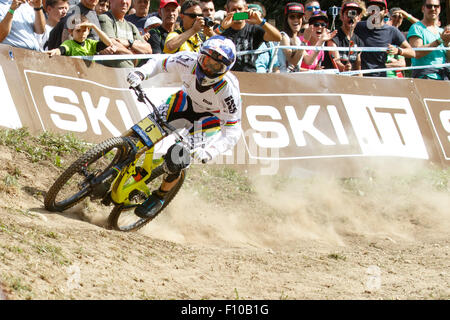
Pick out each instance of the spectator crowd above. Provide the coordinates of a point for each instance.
(122, 27)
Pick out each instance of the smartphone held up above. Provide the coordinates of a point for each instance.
(240, 16)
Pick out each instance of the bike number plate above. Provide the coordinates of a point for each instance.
(149, 131)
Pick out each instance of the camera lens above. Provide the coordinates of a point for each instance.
(352, 13)
(208, 22)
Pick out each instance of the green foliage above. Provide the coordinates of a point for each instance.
(17, 284)
(337, 256)
(55, 253)
(10, 180)
(12, 138)
(46, 146)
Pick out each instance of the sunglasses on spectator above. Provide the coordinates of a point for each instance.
(319, 24)
(312, 8)
(431, 6)
(193, 15)
(396, 16)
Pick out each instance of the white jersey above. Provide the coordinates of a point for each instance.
(222, 99)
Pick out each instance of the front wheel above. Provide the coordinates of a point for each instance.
(74, 184)
(122, 217)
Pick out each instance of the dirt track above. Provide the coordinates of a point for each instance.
(383, 239)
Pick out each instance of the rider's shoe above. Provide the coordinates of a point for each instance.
(150, 207)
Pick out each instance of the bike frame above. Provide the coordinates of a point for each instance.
(125, 182)
(150, 131)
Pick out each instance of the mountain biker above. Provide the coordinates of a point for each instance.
(208, 102)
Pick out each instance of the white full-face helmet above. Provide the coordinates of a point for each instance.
(217, 56)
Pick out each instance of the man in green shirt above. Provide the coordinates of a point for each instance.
(125, 36)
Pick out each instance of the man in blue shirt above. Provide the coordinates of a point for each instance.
(247, 34)
(376, 33)
(140, 17)
(427, 34)
(19, 23)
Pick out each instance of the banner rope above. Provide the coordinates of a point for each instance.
(258, 51)
(276, 48)
(320, 48)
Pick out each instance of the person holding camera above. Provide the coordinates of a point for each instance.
(350, 14)
(248, 30)
(208, 9)
(189, 37)
(209, 12)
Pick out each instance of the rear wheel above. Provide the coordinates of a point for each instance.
(122, 217)
(74, 184)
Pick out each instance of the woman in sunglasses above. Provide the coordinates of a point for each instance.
(311, 6)
(318, 29)
(289, 59)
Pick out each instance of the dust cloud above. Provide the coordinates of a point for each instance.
(395, 201)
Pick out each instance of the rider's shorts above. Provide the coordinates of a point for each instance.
(179, 112)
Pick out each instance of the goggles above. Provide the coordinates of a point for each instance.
(216, 56)
(210, 66)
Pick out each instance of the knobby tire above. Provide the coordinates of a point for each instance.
(113, 219)
(90, 157)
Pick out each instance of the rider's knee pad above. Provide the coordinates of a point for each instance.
(176, 159)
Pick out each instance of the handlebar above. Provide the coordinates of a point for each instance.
(142, 97)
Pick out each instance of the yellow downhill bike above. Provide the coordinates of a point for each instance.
(121, 170)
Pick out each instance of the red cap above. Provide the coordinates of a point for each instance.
(382, 2)
(350, 6)
(294, 7)
(164, 3)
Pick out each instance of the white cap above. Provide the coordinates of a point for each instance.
(152, 20)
